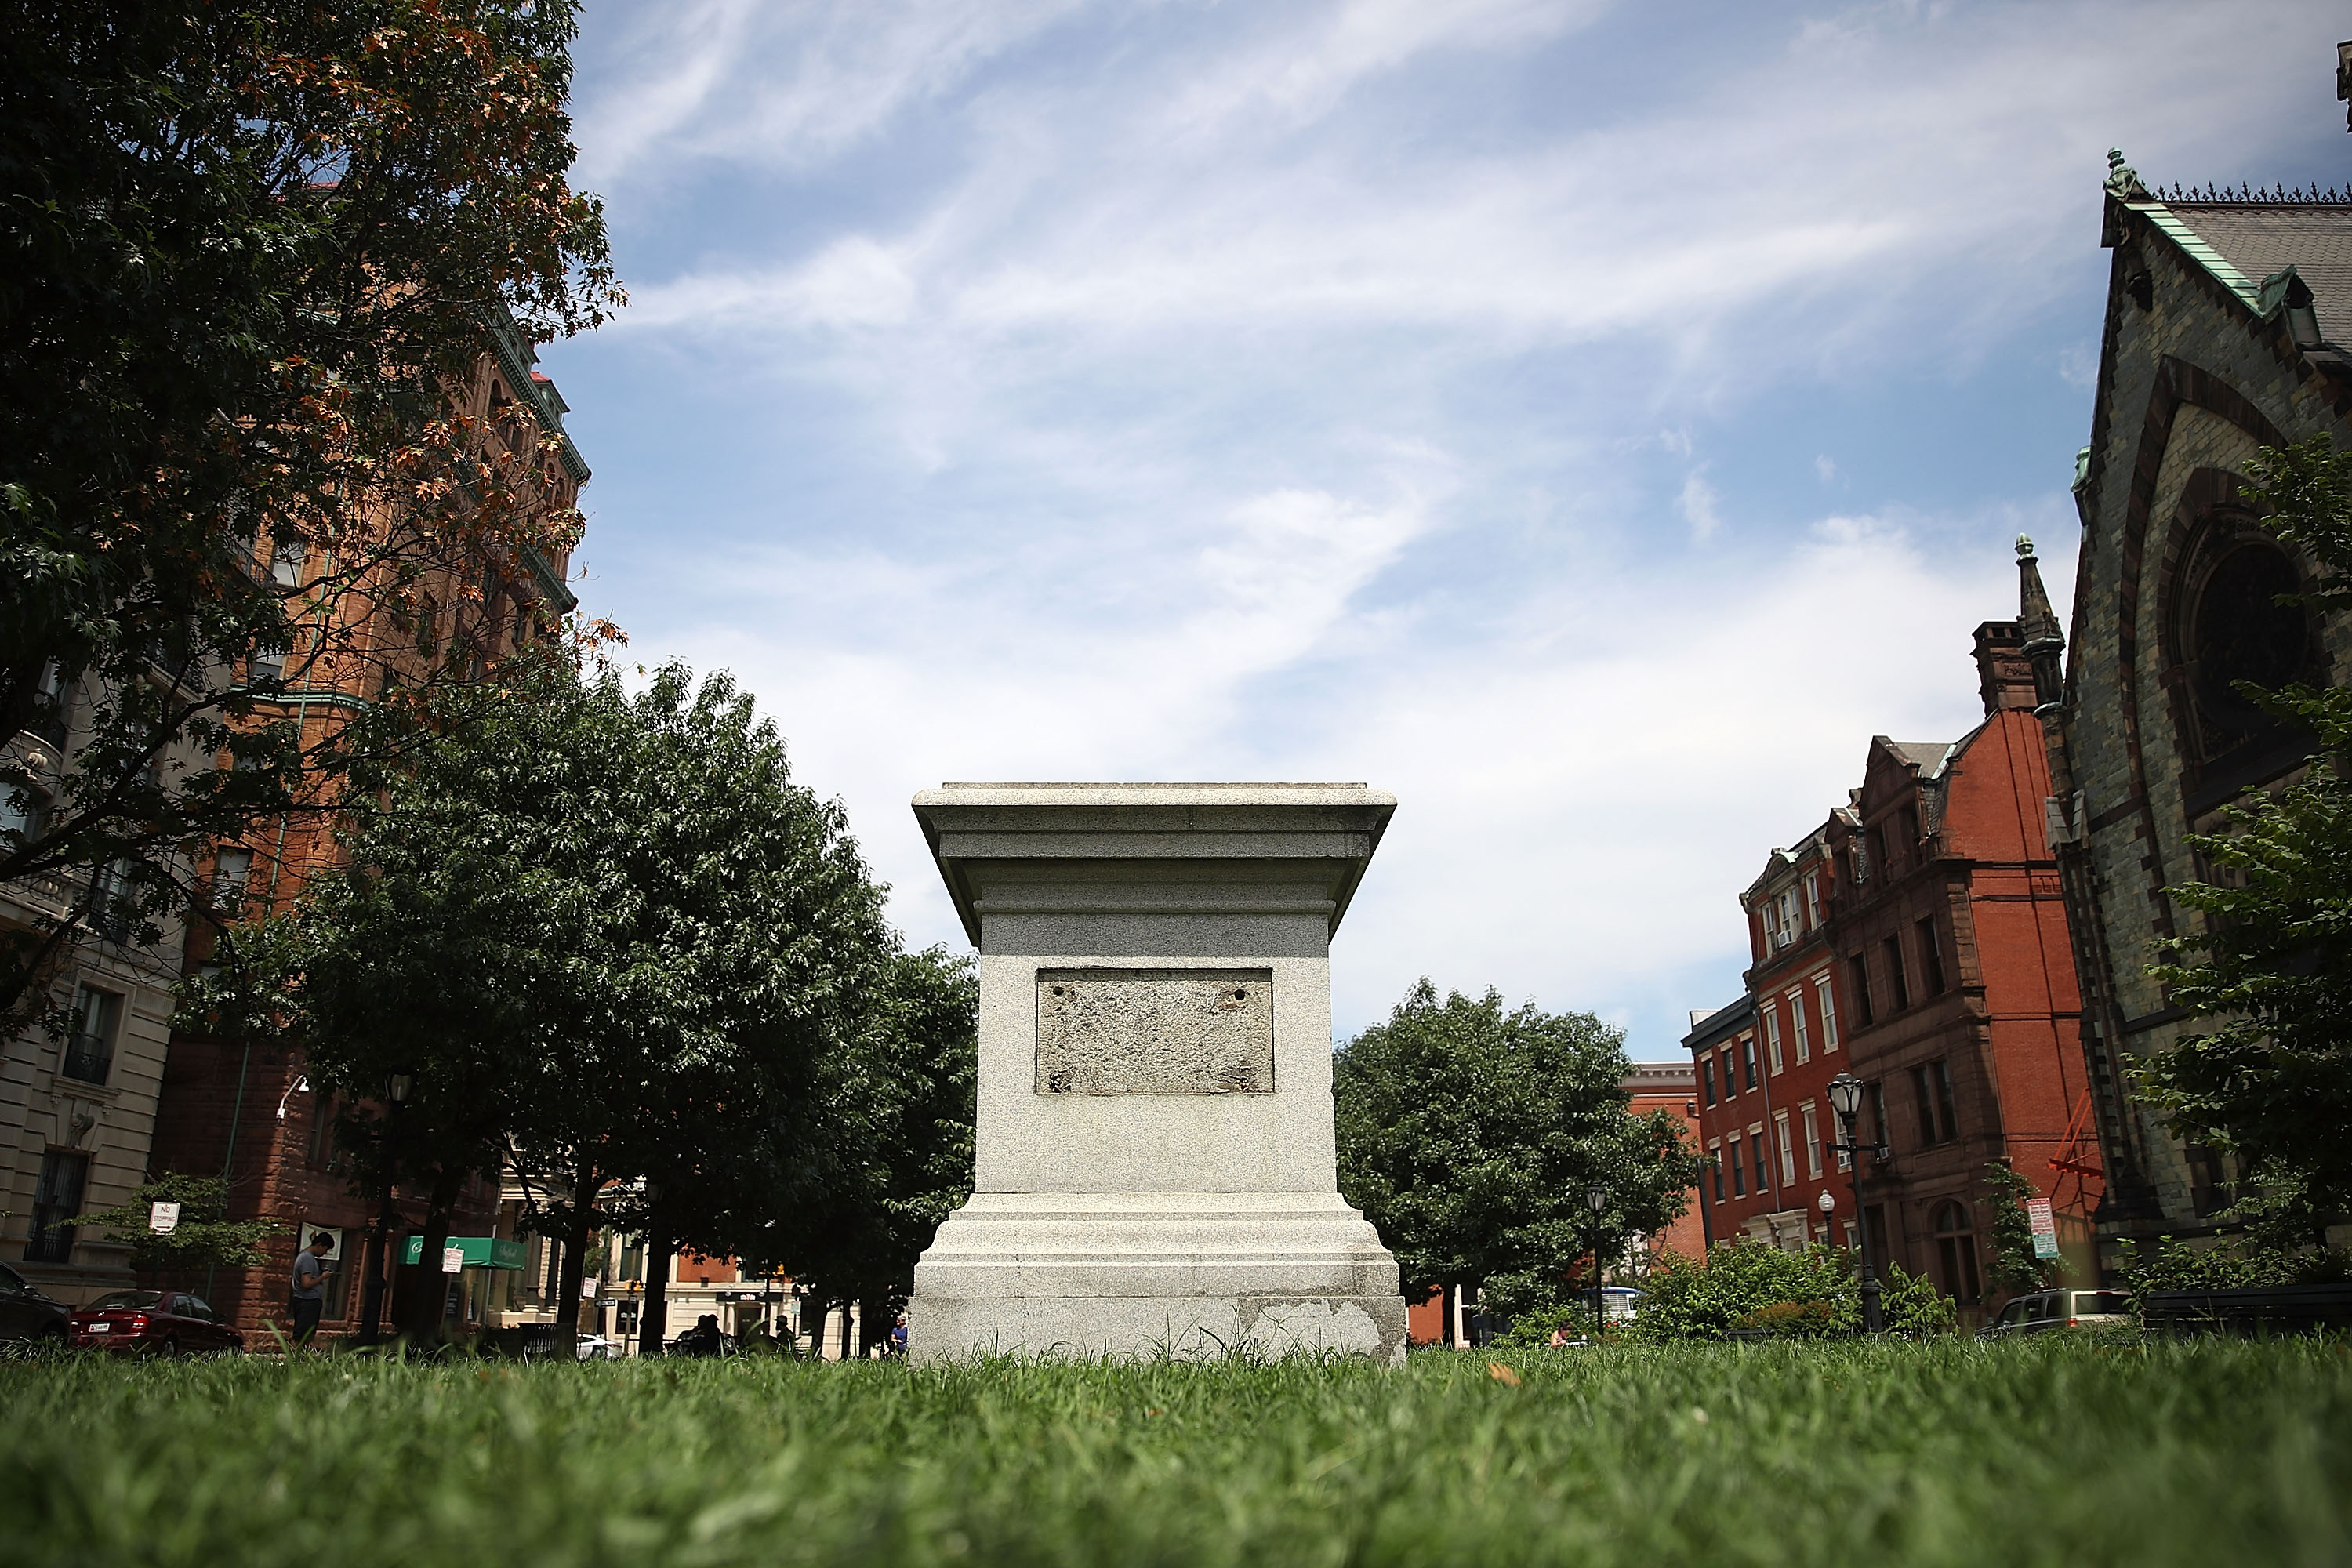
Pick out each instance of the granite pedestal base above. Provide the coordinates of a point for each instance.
(1188, 1275)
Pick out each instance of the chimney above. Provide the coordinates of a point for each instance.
(2004, 673)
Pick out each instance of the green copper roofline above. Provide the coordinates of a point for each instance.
(2205, 255)
(515, 357)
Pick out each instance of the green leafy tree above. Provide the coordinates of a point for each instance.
(251, 243)
(2016, 1267)
(608, 939)
(897, 1147)
(201, 1240)
(2273, 968)
(1468, 1135)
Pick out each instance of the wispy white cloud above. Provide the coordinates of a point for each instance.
(1315, 388)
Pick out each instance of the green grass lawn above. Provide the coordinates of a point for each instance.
(2034, 1453)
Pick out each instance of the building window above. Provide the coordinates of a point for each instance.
(1763, 1174)
(1876, 837)
(1748, 1057)
(1788, 928)
(1730, 1083)
(1955, 1250)
(1898, 982)
(1738, 1172)
(89, 1049)
(232, 874)
(1812, 1139)
(1931, 1086)
(1801, 1036)
(1911, 836)
(1931, 960)
(286, 563)
(56, 1199)
(1706, 1076)
(1772, 1036)
(1829, 1014)
(1715, 1163)
(1788, 1149)
(1812, 900)
(1861, 968)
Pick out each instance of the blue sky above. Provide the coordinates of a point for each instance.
(1592, 422)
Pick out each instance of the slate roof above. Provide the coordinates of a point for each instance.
(2255, 240)
(1923, 754)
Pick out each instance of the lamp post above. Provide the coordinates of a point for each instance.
(1845, 1099)
(1596, 1198)
(396, 1086)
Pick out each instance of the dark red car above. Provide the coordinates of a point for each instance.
(153, 1322)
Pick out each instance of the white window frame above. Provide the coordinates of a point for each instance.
(1829, 1012)
(1788, 1149)
(1771, 1038)
(1814, 900)
(1812, 1139)
(1800, 1036)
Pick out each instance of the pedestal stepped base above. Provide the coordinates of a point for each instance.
(1193, 1275)
(1154, 1164)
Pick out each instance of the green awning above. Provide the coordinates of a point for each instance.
(481, 1251)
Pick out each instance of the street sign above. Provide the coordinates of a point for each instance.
(162, 1218)
(588, 1283)
(2046, 1228)
(453, 1260)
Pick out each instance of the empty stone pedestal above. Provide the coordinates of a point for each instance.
(1155, 1158)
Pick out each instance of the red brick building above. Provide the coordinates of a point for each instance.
(1917, 939)
(1673, 1088)
(245, 1111)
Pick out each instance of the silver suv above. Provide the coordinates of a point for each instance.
(2045, 1309)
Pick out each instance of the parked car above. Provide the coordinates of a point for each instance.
(2046, 1310)
(153, 1322)
(26, 1316)
(596, 1347)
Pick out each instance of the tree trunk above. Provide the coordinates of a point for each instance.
(653, 1326)
(872, 1323)
(576, 1262)
(429, 1302)
(814, 1310)
(846, 1314)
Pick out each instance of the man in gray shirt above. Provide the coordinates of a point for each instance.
(308, 1299)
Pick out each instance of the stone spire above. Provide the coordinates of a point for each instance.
(2045, 644)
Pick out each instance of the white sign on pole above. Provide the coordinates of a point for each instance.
(453, 1260)
(2046, 1228)
(162, 1218)
(588, 1284)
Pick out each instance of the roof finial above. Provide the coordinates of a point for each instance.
(2123, 181)
(2025, 547)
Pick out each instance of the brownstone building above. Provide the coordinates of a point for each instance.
(1917, 939)
(2221, 337)
(245, 1111)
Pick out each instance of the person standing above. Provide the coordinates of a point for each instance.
(307, 1298)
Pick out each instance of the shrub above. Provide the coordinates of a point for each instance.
(1811, 1294)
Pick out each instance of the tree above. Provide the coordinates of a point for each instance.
(200, 1240)
(1468, 1136)
(254, 243)
(2273, 968)
(2016, 1266)
(898, 1138)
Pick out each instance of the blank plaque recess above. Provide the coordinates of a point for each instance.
(1155, 1031)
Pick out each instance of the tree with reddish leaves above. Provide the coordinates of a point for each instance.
(257, 249)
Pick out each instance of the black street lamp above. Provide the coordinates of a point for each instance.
(1596, 1198)
(1845, 1099)
(396, 1086)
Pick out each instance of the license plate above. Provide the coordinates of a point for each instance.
(101, 1327)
